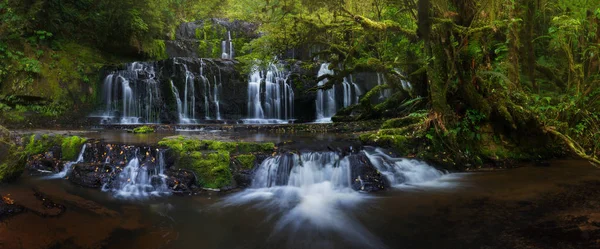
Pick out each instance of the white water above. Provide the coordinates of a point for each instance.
(136, 181)
(67, 167)
(326, 106)
(402, 171)
(212, 93)
(386, 93)
(277, 104)
(227, 47)
(313, 191)
(129, 98)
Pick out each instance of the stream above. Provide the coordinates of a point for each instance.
(305, 200)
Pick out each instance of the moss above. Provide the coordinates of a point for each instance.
(211, 169)
(156, 49)
(71, 146)
(37, 144)
(143, 129)
(247, 160)
(210, 159)
(12, 161)
(404, 121)
(182, 144)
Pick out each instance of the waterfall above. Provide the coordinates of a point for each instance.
(67, 167)
(131, 96)
(326, 106)
(216, 99)
(401, 171)
(213, 97)
(189, 104)
(276, 103)
(307, 190)
(357, 91)
(227, 47)
(347, 92)
(182, 117)
(385, 93)
(137, 181)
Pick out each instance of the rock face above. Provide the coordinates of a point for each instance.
(203, 38)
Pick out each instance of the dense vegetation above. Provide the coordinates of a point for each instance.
(489, 79)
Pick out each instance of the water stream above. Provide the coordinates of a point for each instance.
(270, 96)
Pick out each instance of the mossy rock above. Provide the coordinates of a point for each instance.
(12, 161)
(71, 146)
(143, 129)
(38, 144)
(211, 169)
(182, 144)
(247, 160)
(210, 160)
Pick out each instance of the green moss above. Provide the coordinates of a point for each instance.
(210, 159)
(182, 144)
(37, 144)
(416, 118)
(211, 169)
(246, 160)
(156, 49)
(12, 161)
(143, 129)
(71, 146)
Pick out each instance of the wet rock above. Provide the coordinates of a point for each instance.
(180, 180)
(9, 208)
(365, 176)
(92, 175)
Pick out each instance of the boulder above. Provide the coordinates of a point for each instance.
(365, 177)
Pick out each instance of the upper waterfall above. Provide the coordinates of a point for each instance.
(270, 95)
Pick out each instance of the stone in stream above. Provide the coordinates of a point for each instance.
(92, 175)
(365, 176)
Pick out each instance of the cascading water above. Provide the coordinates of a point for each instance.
(357, 91)
(212, 93)
(277, 105)
(137, 181)
(386, 93)
(131, 95)
(326, 105)
(315, 190)
(402, 171)
(67, 167)
(227, 47)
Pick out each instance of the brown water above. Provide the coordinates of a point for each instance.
(467, 210)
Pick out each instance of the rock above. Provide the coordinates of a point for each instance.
(180, 180)
(9, 208)
(92, 175)
(365, 176)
